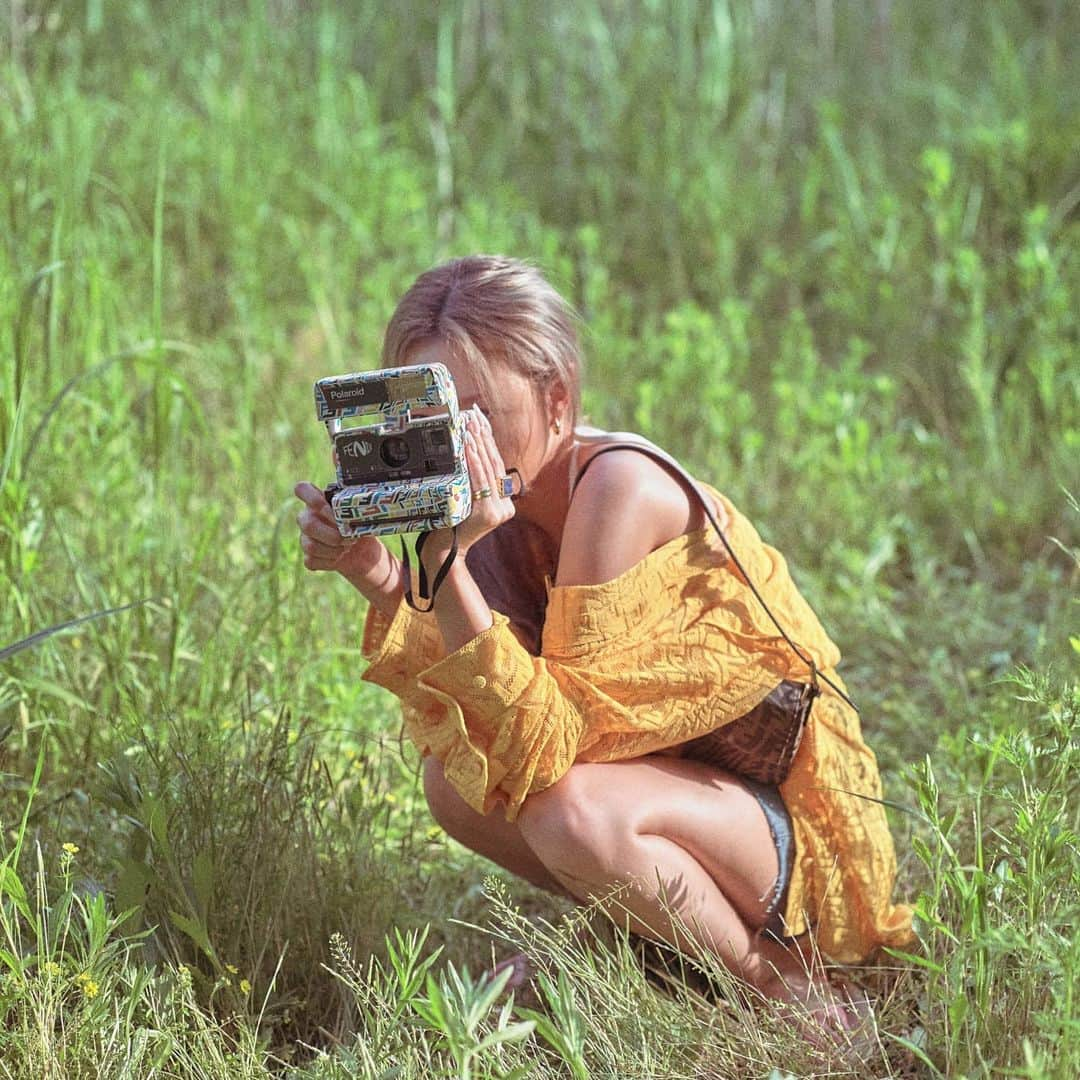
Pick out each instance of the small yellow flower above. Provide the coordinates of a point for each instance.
(90, 988)
(434, 832)
(391, 798)
(70, 848)
(245, 986)
(51, 968)
(232, 969)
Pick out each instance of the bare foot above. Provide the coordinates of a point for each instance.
(838, 1019)
(522, 971)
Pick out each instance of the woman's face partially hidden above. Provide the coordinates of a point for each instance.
(519, 421)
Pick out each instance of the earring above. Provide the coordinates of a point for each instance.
(557, 425)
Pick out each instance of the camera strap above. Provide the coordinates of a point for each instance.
(663, 458)
(421, 572)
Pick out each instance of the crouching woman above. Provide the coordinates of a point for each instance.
(592, 634)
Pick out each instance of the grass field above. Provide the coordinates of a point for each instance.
(826, 253)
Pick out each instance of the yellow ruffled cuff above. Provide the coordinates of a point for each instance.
(399, 648)
(486, 675)
(480, 686)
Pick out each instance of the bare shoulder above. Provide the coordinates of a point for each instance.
(626, 506)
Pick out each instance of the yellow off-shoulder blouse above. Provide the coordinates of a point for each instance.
(671, 649)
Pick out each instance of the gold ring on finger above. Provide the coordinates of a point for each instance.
(482, 493)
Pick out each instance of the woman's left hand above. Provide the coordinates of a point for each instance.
(490, 508)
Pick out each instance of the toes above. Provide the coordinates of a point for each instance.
(521, 967)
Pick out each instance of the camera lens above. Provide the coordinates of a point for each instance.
(395, 451)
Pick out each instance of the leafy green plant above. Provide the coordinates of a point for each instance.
(76, 997)
(563, 1028)
(456, 1005)
(245, 848)
(996, 920)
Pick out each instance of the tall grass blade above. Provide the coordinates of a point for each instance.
(41, 635)
(23, 318)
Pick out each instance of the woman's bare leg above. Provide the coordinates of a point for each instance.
(683, 836)
(597, 828)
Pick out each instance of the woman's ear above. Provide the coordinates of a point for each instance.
(558, 404)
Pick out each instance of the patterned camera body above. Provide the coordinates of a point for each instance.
(396, 473)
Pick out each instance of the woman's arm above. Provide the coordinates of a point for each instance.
(459, 606)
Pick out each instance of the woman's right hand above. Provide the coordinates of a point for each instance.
(363, 560)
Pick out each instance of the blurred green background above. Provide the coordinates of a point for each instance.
(826, 253)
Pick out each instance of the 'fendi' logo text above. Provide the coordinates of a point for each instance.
(356, 449)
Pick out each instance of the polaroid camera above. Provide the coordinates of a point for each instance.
(396, 472)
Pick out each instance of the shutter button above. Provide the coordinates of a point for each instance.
(479, 682)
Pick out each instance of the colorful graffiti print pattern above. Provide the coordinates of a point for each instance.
(401, 506)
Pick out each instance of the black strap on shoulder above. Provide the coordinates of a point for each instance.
(667, 460)
(440, 577)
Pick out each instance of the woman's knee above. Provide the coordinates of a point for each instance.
(490, 835)
(571, 820)
(447, 807)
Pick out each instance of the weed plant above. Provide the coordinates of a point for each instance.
(826, 254)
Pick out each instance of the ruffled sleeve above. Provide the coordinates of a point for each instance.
(397, 650)
(509, 724)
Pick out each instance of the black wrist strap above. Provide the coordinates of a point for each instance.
(666, 459)
(421, 571)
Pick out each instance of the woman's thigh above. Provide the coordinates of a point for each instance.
(596, 809)
(710, 813)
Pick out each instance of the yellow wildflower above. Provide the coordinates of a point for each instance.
(90, 988)
(391, 798)
(245, 986)
(70, 848)
(232, 969)
(51, 968)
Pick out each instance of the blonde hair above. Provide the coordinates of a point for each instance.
(491, 309)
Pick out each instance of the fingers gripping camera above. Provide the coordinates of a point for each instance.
(396, 472)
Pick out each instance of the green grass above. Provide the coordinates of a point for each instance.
(827, 255)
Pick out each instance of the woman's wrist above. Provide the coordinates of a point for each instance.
(460, 608)
(382, 583)
(438, 547)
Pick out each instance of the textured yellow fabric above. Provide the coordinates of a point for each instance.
(673, 648)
